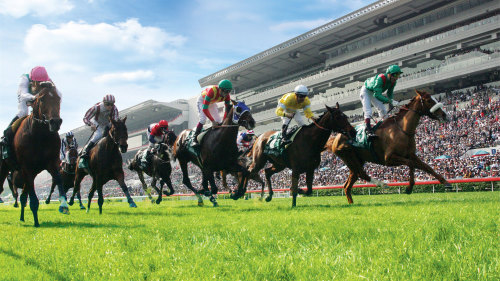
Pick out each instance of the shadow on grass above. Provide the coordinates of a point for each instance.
(50, 224)
(33, 263)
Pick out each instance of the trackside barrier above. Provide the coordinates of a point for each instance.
(285, 192)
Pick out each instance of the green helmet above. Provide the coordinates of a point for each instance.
(225, 85)
(393, 69)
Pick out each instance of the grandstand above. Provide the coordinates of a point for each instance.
(439, 45)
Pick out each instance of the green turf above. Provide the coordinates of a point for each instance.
(446, 236)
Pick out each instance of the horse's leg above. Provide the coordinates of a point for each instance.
(3, 174)
(395, 160)
(91, 193)
(223, 175)
(309, 183)
(100, 197)
(269, 172)
(56, 177)
(214, 189)
(353, 177)
(409, 189)
(158, 190)
(119, 177)
(295, 187)
(23, 199)
(79, 197)
(187, 182)
(47, 201)
(34, 203)
(144, 185)
(79, 175)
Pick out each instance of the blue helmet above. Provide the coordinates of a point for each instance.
(69, 134)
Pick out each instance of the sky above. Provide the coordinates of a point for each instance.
(144, 49)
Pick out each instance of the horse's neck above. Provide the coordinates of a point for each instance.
(409, 122)
(318, 136)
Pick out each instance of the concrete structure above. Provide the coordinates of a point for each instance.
(435, 42)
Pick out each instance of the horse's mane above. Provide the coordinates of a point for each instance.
(402, 110)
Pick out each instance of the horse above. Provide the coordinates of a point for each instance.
(105, 163)
(159, 167)
(36, 147)
(303, 155)
(394, 146)
(67, 172)
(217, 151)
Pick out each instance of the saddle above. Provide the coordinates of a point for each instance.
(274, 145)
(5, 149)
(362, 140)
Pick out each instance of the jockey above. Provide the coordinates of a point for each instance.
(156, 134)
(66, 143)
(25, 97)
(288, 106)
(245, 140)
(371, 93)
(97, 117)
(207, 105)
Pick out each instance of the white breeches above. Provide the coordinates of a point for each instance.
(367, 99)
(212, 108)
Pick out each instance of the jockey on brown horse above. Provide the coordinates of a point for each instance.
(38, 130)
(104, 158)
(394, 145)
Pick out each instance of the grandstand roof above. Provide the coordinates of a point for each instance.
(307, 50)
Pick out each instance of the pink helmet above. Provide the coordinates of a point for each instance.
(109, 98)
(38, 73)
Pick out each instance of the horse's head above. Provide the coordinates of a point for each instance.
(119, 134)
(241, 115)
(72, 155)
(429, 106)
(335, 120)
(170, 138)
(47, 105)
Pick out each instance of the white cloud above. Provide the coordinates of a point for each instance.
(21, 8)
(139, 75)
(298, 25)
(108, 44)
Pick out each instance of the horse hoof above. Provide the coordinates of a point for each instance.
(82, 207)
(408, 191)
(152, 201)
(47, 201)
(158, 201)
(71, 202)
(16, 205)
(200, 204)
(37, 225)
(216, 204)
(207, 193)
(63, 210)
(1, 201)
(132, 205)
(268, 199)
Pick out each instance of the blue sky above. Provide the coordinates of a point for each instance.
(140, 50)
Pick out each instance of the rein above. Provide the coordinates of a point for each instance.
(319, 126)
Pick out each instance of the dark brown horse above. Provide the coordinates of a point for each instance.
(245, 161)
(158, 168)
(218, 151)
(394, 146)
(36, 147)
(67, 172)
(105, 163)
(303, 155)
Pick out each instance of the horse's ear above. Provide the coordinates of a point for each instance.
(338, 107)
(419, 93)
(234, 102)
(124, 119)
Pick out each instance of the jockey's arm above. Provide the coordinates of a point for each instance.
(206, 103)
(378, 90)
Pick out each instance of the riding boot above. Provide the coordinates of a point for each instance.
(196, 133)
(86, 150)
(284, 135)
(369, 130)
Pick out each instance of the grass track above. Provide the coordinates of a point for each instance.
(445, 236)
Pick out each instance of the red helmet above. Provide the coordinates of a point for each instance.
(163, 124)
(109, 98)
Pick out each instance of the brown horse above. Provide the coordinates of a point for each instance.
(218, 150)
(105, 163)
(36, 147)
(67, 172)
(394, 146)
(303, 155)
(158, 168)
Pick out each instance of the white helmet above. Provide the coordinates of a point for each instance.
(301, 90)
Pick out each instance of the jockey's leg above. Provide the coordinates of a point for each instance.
(8, 134)
(284, 128)
(197, 132)
(365, 96)
(86, 150)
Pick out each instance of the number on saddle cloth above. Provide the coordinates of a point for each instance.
(362, 140)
